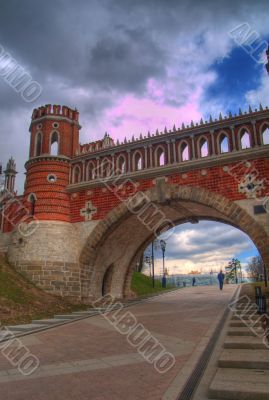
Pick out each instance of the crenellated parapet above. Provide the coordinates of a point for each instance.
(55, 110)
(194, 145)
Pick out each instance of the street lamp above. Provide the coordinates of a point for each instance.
(163, 246)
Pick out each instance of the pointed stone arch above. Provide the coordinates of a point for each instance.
(121, 236)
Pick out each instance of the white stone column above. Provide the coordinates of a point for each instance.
(151, 156)
(233, 137)
(112, 173)
(213, 142)
(193, 147)
(129, 160)
(83, 171)
(146, 157)
(168, 152)
(254, 133)
(174, 150)
(98, 172)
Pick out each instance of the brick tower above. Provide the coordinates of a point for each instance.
(54, 141)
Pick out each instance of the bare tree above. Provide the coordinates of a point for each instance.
(255, 268)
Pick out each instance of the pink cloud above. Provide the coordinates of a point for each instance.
(132, 116)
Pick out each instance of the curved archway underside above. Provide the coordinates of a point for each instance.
(124, 234)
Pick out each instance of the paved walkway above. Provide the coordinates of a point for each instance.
(89, 359)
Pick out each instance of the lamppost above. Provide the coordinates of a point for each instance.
(163, 246)
(148, 261)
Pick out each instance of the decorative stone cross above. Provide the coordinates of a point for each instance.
(88, 211)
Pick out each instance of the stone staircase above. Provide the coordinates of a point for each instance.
(243, 365)
(43, 324)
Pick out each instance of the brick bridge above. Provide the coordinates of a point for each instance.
(89, 211)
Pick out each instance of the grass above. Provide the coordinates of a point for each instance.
(142, 285)
(21, 301)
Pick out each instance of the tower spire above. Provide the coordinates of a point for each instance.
(10, 175)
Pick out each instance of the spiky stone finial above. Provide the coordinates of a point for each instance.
(125, 140)
(192, 124)
(149, 135)
(201, 121)
(157, 132)
(210, 118)
(261, 107)
(118, 142)
(174, 128)
(240, 111)
(230, 114)
(183, 125)
(140, 137)
(249, 109)
(220, 116)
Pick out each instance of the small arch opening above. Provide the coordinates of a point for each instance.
(91, 172)
(76, 175)
(184, 152)
(265, 136)
(245, 140)
(137, 162)
(160, 157)
(224, 144)
(106, 167)
(121, 165)
(203, 148)
(107, 280)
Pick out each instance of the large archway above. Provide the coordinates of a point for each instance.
(126, 231)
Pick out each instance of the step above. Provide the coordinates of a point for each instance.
(84, 312)
(68, 316)
(244, 331)
(240, 384)
(245, 342)
(51, 321)
(243, 311)
(244, 358)
(24, 328)
(246, 323)
(250, 317)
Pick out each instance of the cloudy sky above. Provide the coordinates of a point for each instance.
(203, 247)
(130, 66)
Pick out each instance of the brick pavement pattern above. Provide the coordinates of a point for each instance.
(89, 359)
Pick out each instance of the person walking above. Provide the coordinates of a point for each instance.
(221, 279)
(193, 281)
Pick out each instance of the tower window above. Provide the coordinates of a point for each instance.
(54, 144)
(38, 144)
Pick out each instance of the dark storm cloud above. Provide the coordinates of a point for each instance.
(126, 61)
